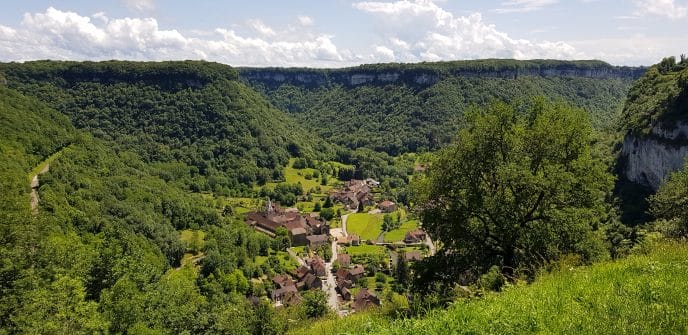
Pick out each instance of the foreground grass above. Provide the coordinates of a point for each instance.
(643, 294)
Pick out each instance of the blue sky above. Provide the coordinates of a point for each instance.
(337, 33)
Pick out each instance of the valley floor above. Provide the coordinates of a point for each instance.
(645, 293)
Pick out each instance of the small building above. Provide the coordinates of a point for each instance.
(298, 236)
(356, 272)
(315, 241)
(282, 281)
(318, 266)
(413, 256)
(283, 294)
(415, 236)
(317, 225)
(301, 272)
(346, 294)
(312, 281)
(387, 206)
(344, 260)
(365, 299)
(354, 240)
(372, 182)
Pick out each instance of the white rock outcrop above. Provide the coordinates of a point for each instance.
(650, 159)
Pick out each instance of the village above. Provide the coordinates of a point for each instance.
(353, 262)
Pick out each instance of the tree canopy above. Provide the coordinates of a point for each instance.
(517, 188)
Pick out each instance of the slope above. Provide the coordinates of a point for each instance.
(643, 294)
(103, 253)
(191, 112)
(400, 108)
(655, 128)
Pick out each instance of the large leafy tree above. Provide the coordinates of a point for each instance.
(517, 188)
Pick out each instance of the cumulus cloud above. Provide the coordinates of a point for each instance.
(57, 34)
(666, 8)
(421, 30)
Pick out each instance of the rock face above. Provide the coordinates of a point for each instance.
(427, 74)
(649, 159)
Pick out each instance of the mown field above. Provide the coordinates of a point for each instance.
(367, 226)
(397, 235)
(643, 294)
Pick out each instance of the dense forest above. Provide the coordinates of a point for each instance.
(398, 108)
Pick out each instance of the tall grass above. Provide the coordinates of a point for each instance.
(643, 294)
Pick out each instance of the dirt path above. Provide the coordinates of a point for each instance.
(344, 217)
(34, 189)
(40, 169)
(296, 257)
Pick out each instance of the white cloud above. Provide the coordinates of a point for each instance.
(636, 49)
(261, 27)
(305, 20)
(666, 8)
(57, 34)
(421, 30)
(140, 5)
(522, 6)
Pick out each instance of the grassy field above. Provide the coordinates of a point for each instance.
(287, 262)
(293, 176)
(367, 226)
(643, 294)
(192, 238)
(398, 234)
(366, 249)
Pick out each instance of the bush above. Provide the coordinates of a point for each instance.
(493, 280)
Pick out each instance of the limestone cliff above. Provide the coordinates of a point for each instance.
(649, 159)
(426, 74)
(656, 124)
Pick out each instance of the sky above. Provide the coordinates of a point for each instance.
(339, 33)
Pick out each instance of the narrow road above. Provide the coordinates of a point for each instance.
(330, 283)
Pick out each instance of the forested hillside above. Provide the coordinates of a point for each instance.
(103, 251)
(191, 112)
(399, 108)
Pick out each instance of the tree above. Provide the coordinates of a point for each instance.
(402, 273)
(314, 303)
(518, 187)
(328, 202)
(282, 240)
(317, 207)
(60, 308)
(671, 202)
(327, 213)
(387, 222)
